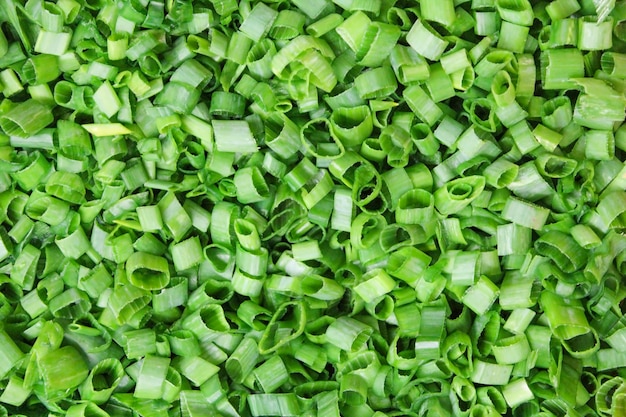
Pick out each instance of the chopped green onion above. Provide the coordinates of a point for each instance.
(333, 208)
(147, 271)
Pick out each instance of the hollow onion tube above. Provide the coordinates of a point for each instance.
(378, 41)
(562, 249)
(415, 207)
(26, 119)
(183, 343)
(555, 167)
(102, 380)
(168, 299)
(206, 323)
(568, 322)
(407, 264)
(408, 65)
(428, 342)
(458, 194)
(282, 136)
(147, 271)
(79, 98)
(563, 32)
(610, 395)
(559, 66)
(15, 393)
(396, 143)
(422, 105)
(515, 11)
(250, 185)
(126, 301)
(587, 106)
(151, 378)
(424, 139)
(352, 125)
(280, 332)
(378, 82)
(524, 213)
(594, 34)
(425, 41)
(318, 139)
(348, 334)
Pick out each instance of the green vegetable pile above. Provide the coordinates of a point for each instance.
(357, 208)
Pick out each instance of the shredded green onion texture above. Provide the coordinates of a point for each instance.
(359, 208)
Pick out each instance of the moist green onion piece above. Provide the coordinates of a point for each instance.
(425, 41)
(559, 66)
(514, 36)
(480, 296)
(150, 218)
(63, 368)
(378, 82)
(233, 136)
(26, 119)
(562, 249)
(11, 83)
(594, 34)
(187, 254)
(274, 404)
(250, 185)
(70, 304)
(106, 129)
(348, 334)
(600, 145)
(490, 373)
(587, 105)
(139, 343)
(147, 271)
(524, 213)
(211, 291)
(183, 343)
(174, 216)
(428, 342)
(425, 108)
(152, 374)
(53, 43)
(519, 320)
(408, 65)
(585, 236)
(511, 350)
(407, 264)
(517, 392)
(568, 324)
(258, 22)
(272, 374)
(457, 194)
(377, 43)
(15, 392)
(195, 369)
(321, 288)
(375, 284)
(515, 11)
(352, 30)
